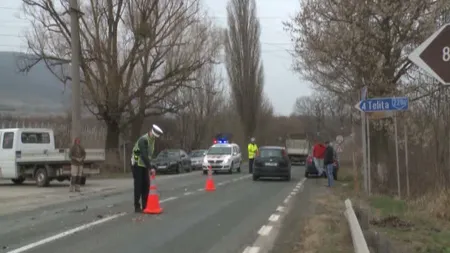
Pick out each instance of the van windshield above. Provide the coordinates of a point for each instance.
(219, 151)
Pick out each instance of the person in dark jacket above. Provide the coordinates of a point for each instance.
(77, 155)
(329, 162)
(141, 165)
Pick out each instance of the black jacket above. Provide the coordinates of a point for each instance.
(329, 155)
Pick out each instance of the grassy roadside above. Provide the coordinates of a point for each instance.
(326, 231)
(415, 226)
(418, 226)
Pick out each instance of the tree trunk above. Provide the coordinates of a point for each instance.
(112, 135)
(136, 128)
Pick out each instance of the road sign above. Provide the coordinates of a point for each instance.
(433, 55)
(383, 104)
(339, 139)
(339, 149)
(380, 115)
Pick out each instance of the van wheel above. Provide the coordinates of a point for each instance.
(239, 168)
(231, 169)
(83, 181)
(41, 177)
(19, 180)
(306, 174)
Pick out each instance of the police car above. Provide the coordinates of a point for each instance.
(222, 157)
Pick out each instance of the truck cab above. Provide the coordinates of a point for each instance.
(30, 153)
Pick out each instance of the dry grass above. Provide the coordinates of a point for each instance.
(421, 225)
(327, 230)
(416, 226)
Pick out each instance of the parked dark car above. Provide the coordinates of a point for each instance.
(197, 157)
(172, 161)
(311, 169)
(272, 161)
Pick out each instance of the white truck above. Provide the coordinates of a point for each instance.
(297, 147)
(30, 153)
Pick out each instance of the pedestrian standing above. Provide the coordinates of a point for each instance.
(252, 149)
(77, 155)
(318, 156)
(329, 162)
(141, 165)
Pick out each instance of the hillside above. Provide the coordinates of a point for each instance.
(35, 92)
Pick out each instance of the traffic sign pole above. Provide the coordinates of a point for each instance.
(396, 158)
(363, 137)
(368, 158)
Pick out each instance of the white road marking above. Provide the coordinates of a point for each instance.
(188, 193)
(200, 190)
(274, 217)
(66, 233)
(295, 190)
(280, 209)
(251, 250)
(168, 199)
(287, 199)
(265, 230)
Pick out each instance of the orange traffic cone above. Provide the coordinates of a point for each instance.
(209, 186)
(153, 206)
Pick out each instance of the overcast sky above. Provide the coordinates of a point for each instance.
(282, 85)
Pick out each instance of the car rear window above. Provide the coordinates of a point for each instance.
(270, 153)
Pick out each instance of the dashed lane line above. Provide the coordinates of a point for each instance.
(274, 220)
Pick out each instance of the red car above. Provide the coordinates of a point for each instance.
(311, 169)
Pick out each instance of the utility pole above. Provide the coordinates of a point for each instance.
(75, 69)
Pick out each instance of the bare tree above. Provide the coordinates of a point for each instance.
(135, 54)
(203, 106)
(342, 46)
(243, 62)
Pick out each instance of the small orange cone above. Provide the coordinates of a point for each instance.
(209, 186)
(153, 206)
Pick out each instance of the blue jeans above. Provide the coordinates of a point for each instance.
(330, 168)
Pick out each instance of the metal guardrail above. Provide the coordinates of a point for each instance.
(359, 242)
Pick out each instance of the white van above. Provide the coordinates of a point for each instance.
(30, 153)
(223, 158)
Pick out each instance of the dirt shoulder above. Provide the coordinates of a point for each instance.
(316, 223)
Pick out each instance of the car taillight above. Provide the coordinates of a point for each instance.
(309, 160)
(283, 152)
(257, 153)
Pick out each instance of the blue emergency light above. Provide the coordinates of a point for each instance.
(221, 141)
(222, 138)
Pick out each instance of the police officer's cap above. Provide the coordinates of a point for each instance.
(156, 131)
(252, 139)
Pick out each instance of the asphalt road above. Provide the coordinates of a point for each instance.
(231, 219)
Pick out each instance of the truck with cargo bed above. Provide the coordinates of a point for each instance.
(30, 153)
(297, 147)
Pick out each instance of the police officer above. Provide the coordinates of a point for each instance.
(140, 161)
(252, 149)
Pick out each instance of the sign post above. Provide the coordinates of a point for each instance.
(394, 104)
(363, 137)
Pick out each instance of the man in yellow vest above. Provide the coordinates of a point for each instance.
(140, 161)
(252, 149)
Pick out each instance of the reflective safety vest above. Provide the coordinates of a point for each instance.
(252, 148)
(137, 152)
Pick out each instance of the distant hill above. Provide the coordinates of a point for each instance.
(36, 92)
